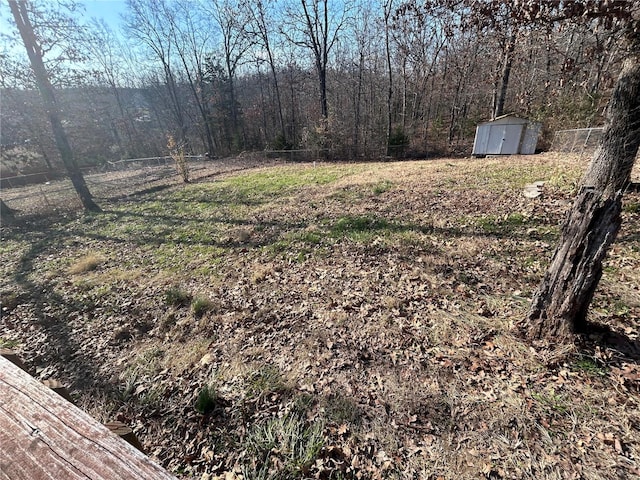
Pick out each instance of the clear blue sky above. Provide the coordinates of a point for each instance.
(109, 10)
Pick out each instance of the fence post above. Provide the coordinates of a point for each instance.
(46, 200)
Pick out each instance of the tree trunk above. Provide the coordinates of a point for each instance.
(559, 307)
(357, 106)
(263, 33)
(387, 18)
(6, 213)
(500, 94)
(274, 75)
(20, 14)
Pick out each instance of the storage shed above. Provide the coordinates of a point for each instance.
(506, 135)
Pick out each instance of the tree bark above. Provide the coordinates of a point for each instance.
(559, 307)
(20, 14)
(6, 213)
(500, 93)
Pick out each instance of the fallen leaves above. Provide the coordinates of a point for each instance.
(399, 342)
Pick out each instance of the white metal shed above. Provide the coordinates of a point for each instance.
(506, 135)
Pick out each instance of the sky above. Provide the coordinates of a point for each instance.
(109, 10)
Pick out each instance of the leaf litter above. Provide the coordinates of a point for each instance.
(355, 325)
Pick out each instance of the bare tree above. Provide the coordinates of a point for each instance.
(388, 11)
(21, 11)
(231, 21)
(192, 36)
(316, 30)
(261, 27)
(107, 51)
(148, 21)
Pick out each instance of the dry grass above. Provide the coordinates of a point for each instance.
(86, 263)
(373, 301)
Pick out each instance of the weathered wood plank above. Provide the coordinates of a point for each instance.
(42, 436)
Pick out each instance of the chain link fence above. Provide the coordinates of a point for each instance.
(577, 140)
(114, 181)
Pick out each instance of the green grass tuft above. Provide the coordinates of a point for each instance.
(590, 366)
(8, 343)
(351, 226)
(177, 297)
(381, 187)
(201, 305)
(265, 381)
(631, 207)
(207, 399)
(290, 443)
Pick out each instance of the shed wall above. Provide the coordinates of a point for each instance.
(530, 139)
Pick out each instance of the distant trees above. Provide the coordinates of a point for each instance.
(316, 27)
(149, 21)
(225, 75)
(110, 55)
(261, 28)
(192, 36)
(231, 21)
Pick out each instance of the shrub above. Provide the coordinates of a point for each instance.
(398, 141)
(176, 150)
(280, 143)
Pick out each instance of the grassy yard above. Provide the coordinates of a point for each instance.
(334, 321)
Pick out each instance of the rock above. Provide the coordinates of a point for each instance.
(533, 190)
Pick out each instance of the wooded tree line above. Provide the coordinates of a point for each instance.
(359, 78)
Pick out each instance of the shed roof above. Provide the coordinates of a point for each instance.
(508, 119)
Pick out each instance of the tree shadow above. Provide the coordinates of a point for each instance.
(626, 348)
(62, 353)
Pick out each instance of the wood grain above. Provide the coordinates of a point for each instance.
(43, 436)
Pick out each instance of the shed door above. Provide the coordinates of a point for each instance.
(511, 144)
(530, 139)
(496, 138)
(481, 140)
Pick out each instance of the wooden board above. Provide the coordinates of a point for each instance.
(43, 436)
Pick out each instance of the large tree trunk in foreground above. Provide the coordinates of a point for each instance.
(19, 9)
(559, 307)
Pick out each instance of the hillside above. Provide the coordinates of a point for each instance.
(334, 321)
